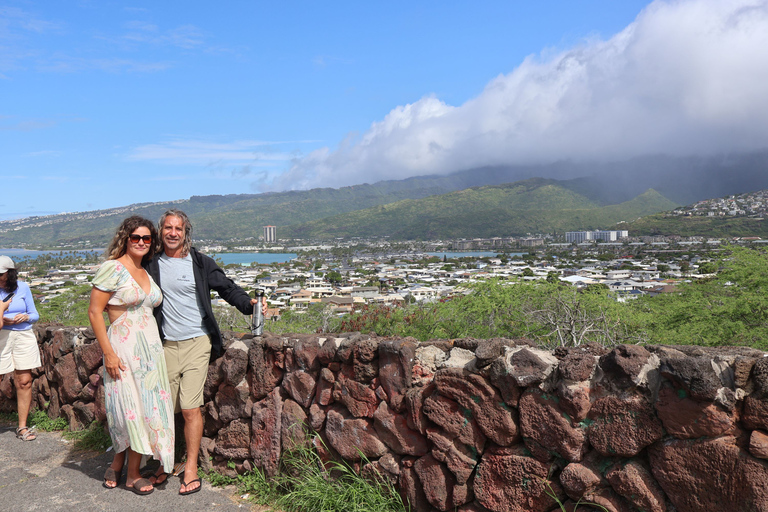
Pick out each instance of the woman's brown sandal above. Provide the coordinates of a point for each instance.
(110, 475)
(25, 434)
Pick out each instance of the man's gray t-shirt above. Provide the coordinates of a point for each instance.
(182, 314)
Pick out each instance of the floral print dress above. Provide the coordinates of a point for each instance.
(138, 405)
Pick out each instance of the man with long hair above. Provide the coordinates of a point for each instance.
(188, 328)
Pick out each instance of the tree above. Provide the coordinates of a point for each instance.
(334, 277)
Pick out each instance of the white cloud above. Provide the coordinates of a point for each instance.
(212, 154)
(686, 77)
(184, 36)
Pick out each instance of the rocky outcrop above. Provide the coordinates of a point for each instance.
(471, 425)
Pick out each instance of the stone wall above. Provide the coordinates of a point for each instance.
(473, 425)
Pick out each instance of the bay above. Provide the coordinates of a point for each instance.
(15, 254)
(246, 258)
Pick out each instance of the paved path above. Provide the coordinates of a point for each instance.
(49, 475)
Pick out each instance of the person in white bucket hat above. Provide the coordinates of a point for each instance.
(19, 352)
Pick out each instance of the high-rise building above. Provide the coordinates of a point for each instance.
(270, 234)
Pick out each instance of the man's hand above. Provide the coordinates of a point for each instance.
(263, 305)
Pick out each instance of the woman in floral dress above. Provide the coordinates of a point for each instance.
(137, 393)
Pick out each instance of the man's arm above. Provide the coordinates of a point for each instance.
(228, 290)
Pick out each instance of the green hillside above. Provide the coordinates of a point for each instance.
(712, 227)
(417, 208)
(221, 217)
(530, 206)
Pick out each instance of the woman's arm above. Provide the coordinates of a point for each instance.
(3, 307)
(112, 363)
(30, 315)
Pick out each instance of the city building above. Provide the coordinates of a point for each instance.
(270, 234)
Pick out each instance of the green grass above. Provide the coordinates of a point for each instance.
(552, 494)
(304, 484)
(95, 437)
(40, 420)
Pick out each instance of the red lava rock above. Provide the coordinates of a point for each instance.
(529, 367)
(213, 380)
(575, 399)
(396, 359)
(324, 391)
(232, 402)
(755, 415)
(758, 444)
(460, 460)
(316, 417)
(265, 368)
(393, 430)
(742, 367)
(457, 423)
(98, 403)
(266, 421)
(542, 420)
(411, 490)
(694, 374)
(624, 364)
(578, 480)
(233, 441)
(686, 418)
(622, 427)
(476, 394)
(295, 428)
(577, 366)
(504, 382)
(636, 485)
(358, 398)
(88, 394)
(234, 363)
(86, 412)
(65, 373)
(306, 354)
(440, 485)
(88, 358)
(7, 389)
(352, 437)
(414, 400)
(709, 474)
(509, 481)
(300, 385)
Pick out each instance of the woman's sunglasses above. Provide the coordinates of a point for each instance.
(135, 238)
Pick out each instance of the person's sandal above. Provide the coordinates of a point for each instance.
(186, 485)
(138, 484)
(110, 475)
(160, 478)
(25, 434)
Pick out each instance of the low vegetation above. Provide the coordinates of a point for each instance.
(307, 483)
(728, 309)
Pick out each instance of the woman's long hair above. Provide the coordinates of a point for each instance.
(11, 282)
(119, 244)
(187, 244)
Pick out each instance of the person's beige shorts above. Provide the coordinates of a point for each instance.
(187, 362)
(18, 351)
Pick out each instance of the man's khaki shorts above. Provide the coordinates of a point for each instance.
(187, 362)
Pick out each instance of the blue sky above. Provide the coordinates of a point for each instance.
(105, 104)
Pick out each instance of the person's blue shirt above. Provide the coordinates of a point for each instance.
(21, 302)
